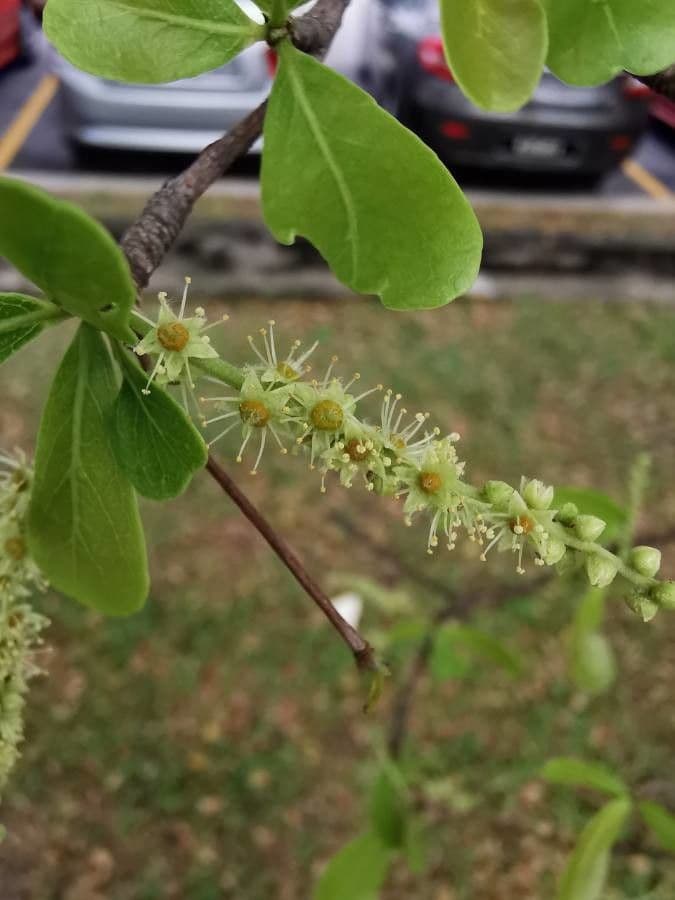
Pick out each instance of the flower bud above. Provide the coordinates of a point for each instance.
(538, 495)
(567, 513)
(555, 550)
(645, 560)
(589, 528)
(600, 571)
(498, 493)
(641, 604)
(663, 594)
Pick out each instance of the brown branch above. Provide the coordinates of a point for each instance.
(147, 241)
(361, 649)
(662, 82)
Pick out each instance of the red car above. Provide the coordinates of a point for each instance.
(10, 32)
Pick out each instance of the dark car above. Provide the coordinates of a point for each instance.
(562, 129)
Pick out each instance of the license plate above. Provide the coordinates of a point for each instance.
(539, 147)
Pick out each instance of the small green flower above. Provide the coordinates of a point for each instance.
(358, 450)
(272, 367)
(400, 440)
(433, 485)
(323, 410)
(259, 409)
(175, 340)
(515, 526)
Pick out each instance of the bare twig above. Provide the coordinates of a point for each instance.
(361, 649)
(147, 241)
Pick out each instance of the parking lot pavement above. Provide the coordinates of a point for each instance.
(46, 148)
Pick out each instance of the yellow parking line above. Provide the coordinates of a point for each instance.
(644, 179)
(27, 118)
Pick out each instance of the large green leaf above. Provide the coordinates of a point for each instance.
(445, 660)
(488, 647)
(149, 40)
(356, 872)
(591, 658)
(22, 318)
(585, 875)
(661, 822)
(590, 41)
(84, 528)
(580, 773)
(68, 255)
(495, 49)
(592, 662)
(454, 645)
(389, 806)
(155, 444)
(377, 203)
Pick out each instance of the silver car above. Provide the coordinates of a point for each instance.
(184, 116)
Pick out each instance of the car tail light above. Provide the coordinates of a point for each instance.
(432, 59)
(634, 89)
(621, 142)
(272, 61)
(456, 131)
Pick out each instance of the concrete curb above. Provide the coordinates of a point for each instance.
(227, 246)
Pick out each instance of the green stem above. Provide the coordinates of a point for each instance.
(216, 368)
(590, 547)
(48, 313)
(278, 15)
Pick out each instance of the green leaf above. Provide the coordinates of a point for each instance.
(593, 503)
(149, 41)
(661, 822)
(389, 807)
(570, 771)
(155, 443)
(445, 661)
(415, 849)
(449, 654)
(591, 610)
(590, 42)
(356, 872)
(84, 529)
(496, 50)
(68, 255)
(374, 200)
(592, 662)
(585, 875)
(488, 647)
(21, 319)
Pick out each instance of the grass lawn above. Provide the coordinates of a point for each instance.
(213, 746)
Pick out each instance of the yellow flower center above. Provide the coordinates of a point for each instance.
(327, 415)
(173, 336)
(430, 482)
(286, 371)
(522, 522)
(254, 413)
(356, 451)
(15, 548)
